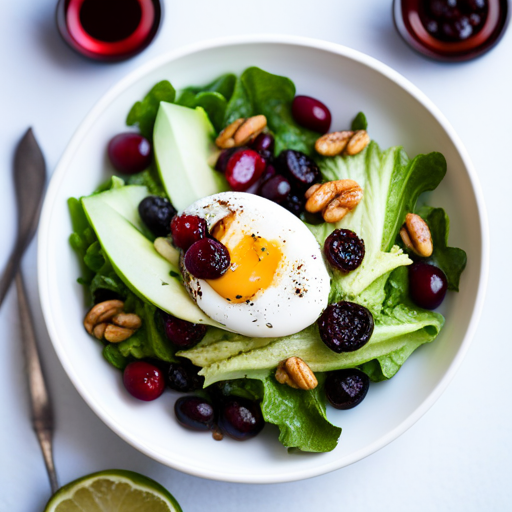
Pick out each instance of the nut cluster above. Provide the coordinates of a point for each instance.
(416, 235)
(296, 373)
(240, 132)
(107, 320)
(334, 199)
(346, 142)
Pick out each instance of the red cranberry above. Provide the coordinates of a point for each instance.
(345, 326)
(244, 169)
(143, 380)
(129, 153)
(311, 114)
(346, 388)
(427, 285)
(183, 334)
(207, 259)
(270, 171)
(276, 188)
(241, 419)
(194, 413)
(264, 142)
(344, 250)
(187, 229)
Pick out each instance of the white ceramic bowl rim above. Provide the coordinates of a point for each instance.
(86, 125)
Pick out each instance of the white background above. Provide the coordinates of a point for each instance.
(456, 458)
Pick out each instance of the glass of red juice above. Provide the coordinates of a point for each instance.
(451, 30)
(108, 30)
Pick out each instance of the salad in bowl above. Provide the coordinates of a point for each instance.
(259, 261)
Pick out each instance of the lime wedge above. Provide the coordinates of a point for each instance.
(113, 491)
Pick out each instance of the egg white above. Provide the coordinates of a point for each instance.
(300, 291)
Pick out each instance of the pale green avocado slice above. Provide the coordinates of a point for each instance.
(113, 215)
(183, 145)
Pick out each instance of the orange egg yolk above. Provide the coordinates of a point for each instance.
(254, 263)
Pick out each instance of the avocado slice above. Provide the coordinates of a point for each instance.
(183, 144)
(114, 217)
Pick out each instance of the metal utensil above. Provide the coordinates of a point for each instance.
(29, 181)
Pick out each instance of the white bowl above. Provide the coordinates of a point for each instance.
(347, 81)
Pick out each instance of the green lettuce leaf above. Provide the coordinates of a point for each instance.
(258, 92)
(391, 184)
(359, 122)
(149, 179)
(300, 416)
(451, 260)
(143, 113)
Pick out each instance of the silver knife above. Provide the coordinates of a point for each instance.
(29, 180)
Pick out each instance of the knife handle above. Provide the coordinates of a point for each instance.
(42, 413)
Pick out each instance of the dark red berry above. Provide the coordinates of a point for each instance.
(345, 326)
(295, 204)
(277, 188)
(129, 153)
(240, 419)
(311, 114)
(183, 334)
(346, 388)
(298, 168)
(194, 413)
(143, 380)
(207, 259)
(244, 169)
(157, 212)
(270, 171)
(187, 229)
(223, 159)
(263, 142)
(427, 285)
(344, 250)
(183, 377)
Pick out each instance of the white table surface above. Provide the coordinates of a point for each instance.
(457, 457)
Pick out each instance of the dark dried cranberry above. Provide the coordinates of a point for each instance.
(344, 250)
(129, 153)
(187, 229)
(195, 413)
(311, 114)
(264, 142)
(270, 171)
(294, 204)
(346, 388)
(143, 380)
(427, 285)
(223, 159)
(157, 212)
(276, 188)
(240, 419)
(244, 169)
(299, 168)
(183, 334)
(345, 326)
(183, 377)
(207, 259)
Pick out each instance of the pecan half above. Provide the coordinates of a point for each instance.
(334, 199)
(347, 142)
(296, 373)
(416, 235)
(116, 334)
(102, 312)
(241, 131)
(106, 320)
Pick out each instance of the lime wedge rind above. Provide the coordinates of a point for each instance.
(113, 490)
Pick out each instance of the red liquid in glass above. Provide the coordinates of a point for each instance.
(411, 21)
(108, 30)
